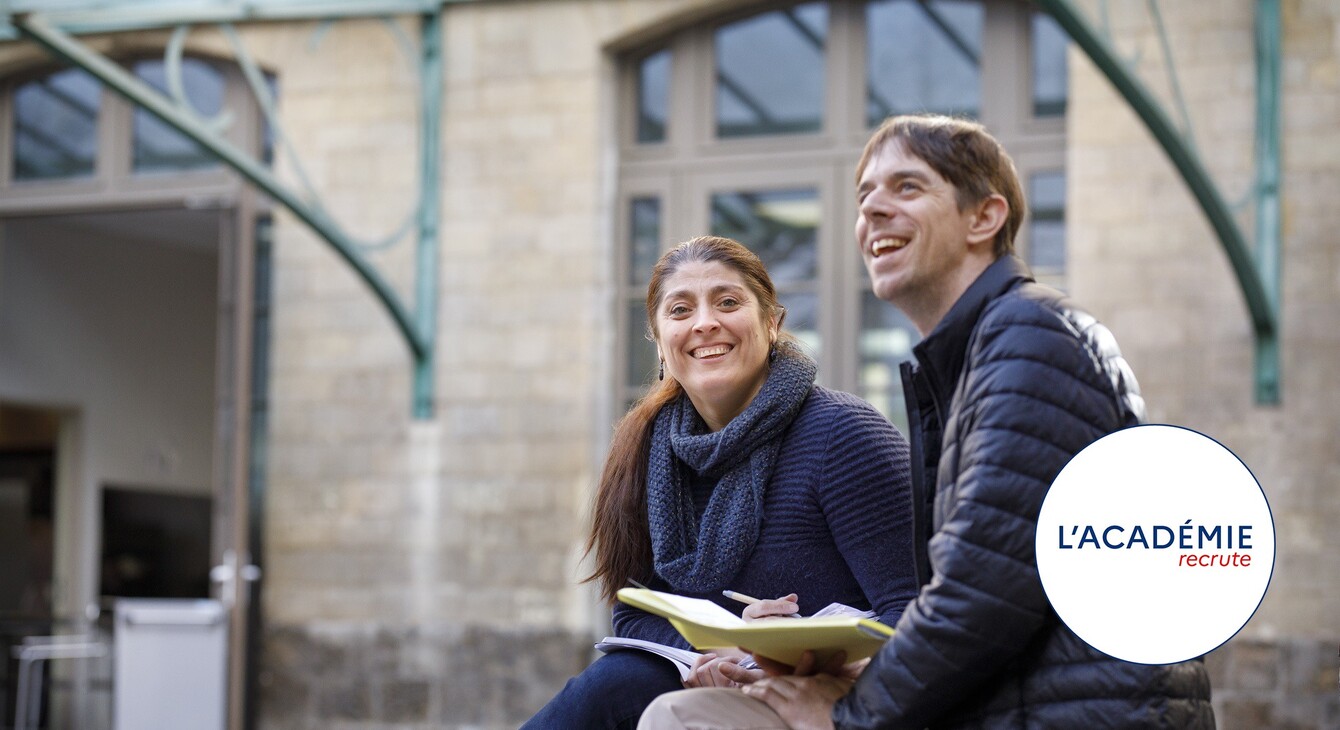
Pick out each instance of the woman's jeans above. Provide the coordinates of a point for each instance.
(611, 693)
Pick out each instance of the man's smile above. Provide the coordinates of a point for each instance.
(884, 245)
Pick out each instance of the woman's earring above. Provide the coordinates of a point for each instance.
(772, 353)
(661, 374)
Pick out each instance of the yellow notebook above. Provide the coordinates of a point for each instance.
(706, 625)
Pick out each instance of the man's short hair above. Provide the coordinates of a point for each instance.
(963, 153)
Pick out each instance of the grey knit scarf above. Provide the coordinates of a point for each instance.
(739, 457)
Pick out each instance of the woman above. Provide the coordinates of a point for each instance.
(736, 472)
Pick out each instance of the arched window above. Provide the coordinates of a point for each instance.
(66, 141)
(751, 126)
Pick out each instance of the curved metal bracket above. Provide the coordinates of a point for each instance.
(417, 328)
(1258, 272)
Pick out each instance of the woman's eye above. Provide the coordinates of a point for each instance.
(730, 302)
(678, 310)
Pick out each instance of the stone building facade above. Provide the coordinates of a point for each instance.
(425, 573)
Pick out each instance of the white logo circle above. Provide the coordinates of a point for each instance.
(1155, 544)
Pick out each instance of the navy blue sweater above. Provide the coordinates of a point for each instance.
(837, 521)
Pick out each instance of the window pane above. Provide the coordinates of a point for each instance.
(644, 235)
(267, 133)
(802, 320)
(781, 226)
(1050, 72)
(923, 56)
(770, 72)
(160, 147)
(56, 126)
(641, 352)
(886, 339)
(653, 97)
(1046, 232)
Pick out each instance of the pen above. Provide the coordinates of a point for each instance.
(742, 598)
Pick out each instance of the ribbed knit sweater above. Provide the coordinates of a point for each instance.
(837, 521)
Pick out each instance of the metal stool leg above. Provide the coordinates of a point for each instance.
(29, 693)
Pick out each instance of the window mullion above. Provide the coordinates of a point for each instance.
(115, 141)
(840, 279)
(7, 137)
(1004, 87)
(845, 77)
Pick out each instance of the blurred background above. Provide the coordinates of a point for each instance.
(320, 360)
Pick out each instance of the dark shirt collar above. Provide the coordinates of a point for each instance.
(940, 355)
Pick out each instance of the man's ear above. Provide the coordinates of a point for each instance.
(987, 218)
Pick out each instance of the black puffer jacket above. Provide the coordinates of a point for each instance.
(1009, 386)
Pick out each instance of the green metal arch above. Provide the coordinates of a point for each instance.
(1257, 273)
(418, 328)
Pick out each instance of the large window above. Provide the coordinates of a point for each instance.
(751, 126)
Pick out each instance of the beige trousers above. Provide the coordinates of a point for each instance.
(707, 708)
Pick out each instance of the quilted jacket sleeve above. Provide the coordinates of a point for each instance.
(1035, 390)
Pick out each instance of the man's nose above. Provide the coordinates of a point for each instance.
(876, 205)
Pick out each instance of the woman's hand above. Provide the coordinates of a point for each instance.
(743, 673)
(785, 607)
(708, 669)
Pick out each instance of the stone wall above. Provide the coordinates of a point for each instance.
(366, 676)
(1285, 684)
(1145, 260)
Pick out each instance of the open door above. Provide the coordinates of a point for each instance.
(126, 396)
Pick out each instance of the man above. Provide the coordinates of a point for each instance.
(1010, 382)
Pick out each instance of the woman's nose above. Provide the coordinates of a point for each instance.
(705, 320)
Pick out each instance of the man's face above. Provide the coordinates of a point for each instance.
(912, 235)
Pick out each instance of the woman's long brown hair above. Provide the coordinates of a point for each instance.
(620, 537)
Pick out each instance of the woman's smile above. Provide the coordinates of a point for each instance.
(710, 352)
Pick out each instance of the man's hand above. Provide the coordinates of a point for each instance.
(805, 703)
(836, 666)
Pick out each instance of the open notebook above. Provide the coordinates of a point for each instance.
(705, 625)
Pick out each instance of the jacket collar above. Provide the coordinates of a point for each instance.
(940, 355)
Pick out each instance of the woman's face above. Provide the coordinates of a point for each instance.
(714, 338)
